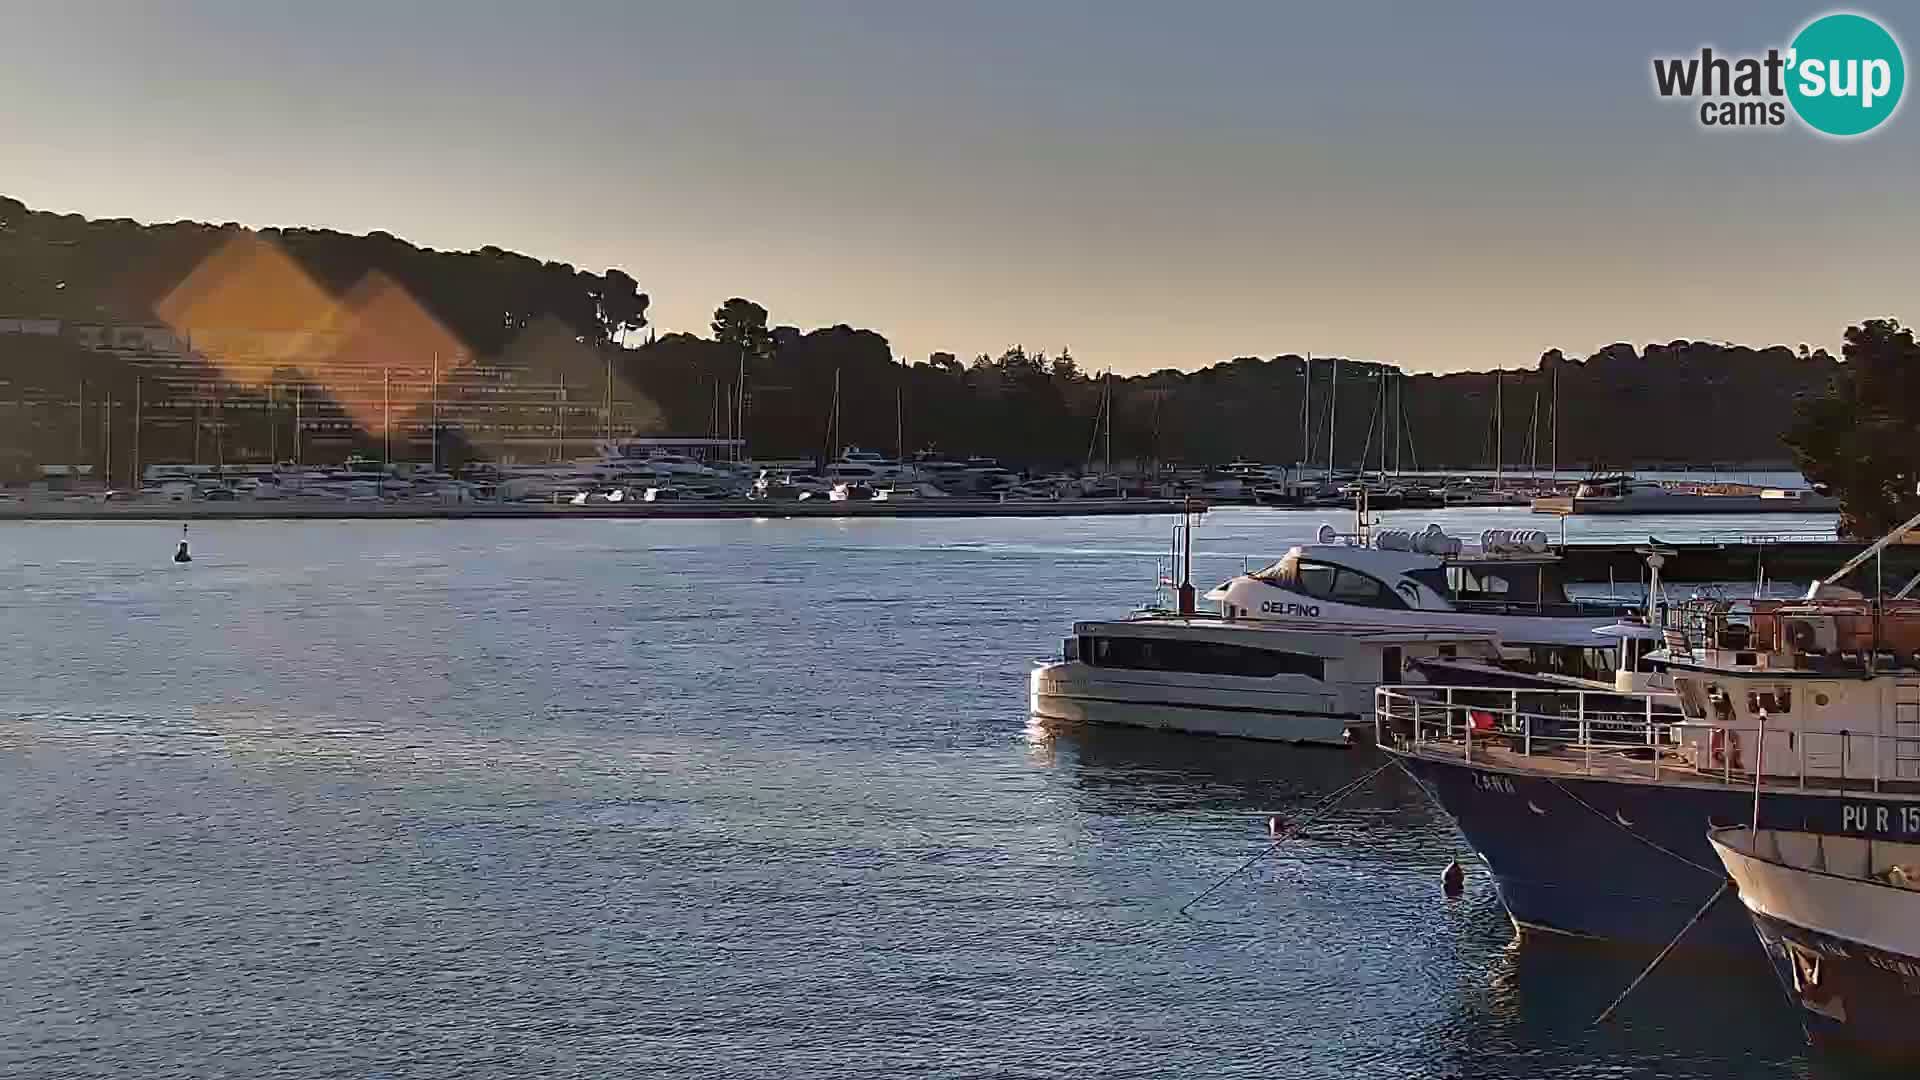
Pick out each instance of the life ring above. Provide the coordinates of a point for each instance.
(1722, 740)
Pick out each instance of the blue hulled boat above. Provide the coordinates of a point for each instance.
(1592, 811)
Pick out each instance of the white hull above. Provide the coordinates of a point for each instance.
(1256, 602)
(1834, 900)
(1194, 703)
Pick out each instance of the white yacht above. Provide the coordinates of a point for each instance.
(1213, 676)
(857, 466)
(900, 491)
(1508, 587)
(1220, 674)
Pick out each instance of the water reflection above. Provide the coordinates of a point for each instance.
(1137, 770)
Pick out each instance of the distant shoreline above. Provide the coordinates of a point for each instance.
(304, 510)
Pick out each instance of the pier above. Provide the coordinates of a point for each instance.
(1783, 560)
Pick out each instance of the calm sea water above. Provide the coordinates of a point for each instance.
(737, 799)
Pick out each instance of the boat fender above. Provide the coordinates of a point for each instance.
(1453, 879)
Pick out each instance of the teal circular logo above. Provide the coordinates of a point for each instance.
(1846, 74)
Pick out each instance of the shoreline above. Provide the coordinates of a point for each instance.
(292, 510)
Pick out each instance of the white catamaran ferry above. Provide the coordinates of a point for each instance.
(1210, 676)
(1217, 673)
(1508, 587)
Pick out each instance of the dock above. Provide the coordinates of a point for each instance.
(1801, 561)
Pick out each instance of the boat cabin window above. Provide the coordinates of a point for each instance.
(1325, 581)
(1200, 657)
(1693, 700)
(1721, 703)
(1518, 583)
(1316, 580)
(1581, 663)
(1777, 701)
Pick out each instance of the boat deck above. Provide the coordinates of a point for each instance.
(1614, 761)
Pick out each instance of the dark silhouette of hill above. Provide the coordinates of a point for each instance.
(524, 321)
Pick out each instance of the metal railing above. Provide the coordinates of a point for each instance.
(1643, 733)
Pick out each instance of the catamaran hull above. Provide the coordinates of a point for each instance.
(1075, 694)
(1627, 861)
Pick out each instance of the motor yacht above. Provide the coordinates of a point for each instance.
(1506, 587)
(1212, 676)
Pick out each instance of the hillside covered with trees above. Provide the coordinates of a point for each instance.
(385, 302)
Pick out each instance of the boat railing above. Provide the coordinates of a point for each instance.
(1617, 733)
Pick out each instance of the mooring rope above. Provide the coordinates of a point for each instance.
(1697, 916)
(1292, 830)
(1615, 822)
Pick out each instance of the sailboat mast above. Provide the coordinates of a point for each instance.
(1554, 439)
(1306, 413)
(1399, 417)
(1533, 441)
(1333, 405)
(1499, 420)
(1106, 466)
(1380, 409)
(833, 421)
(740, 407)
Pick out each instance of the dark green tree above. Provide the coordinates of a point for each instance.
(1861, 439)
(743, 325)
(623, 306)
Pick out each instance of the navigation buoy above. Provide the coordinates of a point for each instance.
(180, 553)
(1453, 880)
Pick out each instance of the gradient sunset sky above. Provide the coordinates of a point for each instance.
(1440, 186)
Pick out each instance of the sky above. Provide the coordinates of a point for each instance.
(1438, 186)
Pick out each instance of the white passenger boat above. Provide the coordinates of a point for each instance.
(1507, 587)
(1213, 676)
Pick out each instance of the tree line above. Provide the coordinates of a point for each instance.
(1679, 402)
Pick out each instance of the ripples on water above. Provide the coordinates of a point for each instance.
(740, 799)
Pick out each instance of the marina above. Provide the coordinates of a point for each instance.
(958, 542)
